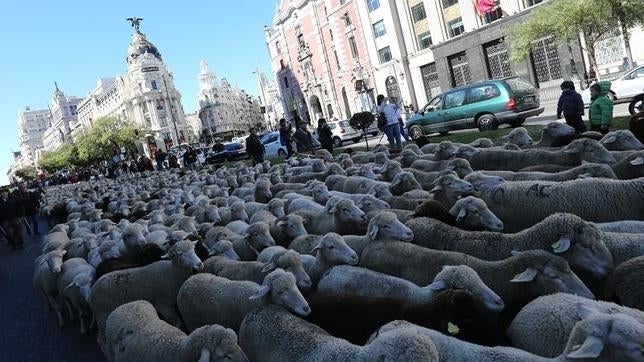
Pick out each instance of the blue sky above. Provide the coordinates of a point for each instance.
(75, 42)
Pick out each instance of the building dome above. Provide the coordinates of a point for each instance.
(140, 45)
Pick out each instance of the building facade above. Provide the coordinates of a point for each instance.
(223, 107)
(270, 101)
(145, 95)
(319, 57)
(32, 125)
(63, 118)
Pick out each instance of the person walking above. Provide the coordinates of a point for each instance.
(286, 138)
(325, 135)
(255, 147)
(303, 139)
(601, 107)
(9, 220)
(392, 128)
(190, 158)
(27, 206)
(571, 106)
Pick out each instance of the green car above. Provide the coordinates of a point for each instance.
(483, 105)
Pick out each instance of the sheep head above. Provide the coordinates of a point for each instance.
(518, 136)
(258, 236)
(213, 342)
(473, 213)
(279, 288)
(404, 182)
(291, 262)
(292, 226)
(589, 150)
(347, 211)
(335, 250)
(621, 140)
(386, 226)
(464, 277)
(183, 255)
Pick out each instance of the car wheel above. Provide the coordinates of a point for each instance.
(374, 134)
(337, 142)
(611, 96)
(444, 133)
(487, 122)
(415, 132)
(636, 105)
(517, 123)
(356, 140)
(281, 153)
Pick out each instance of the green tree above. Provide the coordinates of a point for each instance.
(65, 157)
(565, 19)
(27, 173)
(106, 134)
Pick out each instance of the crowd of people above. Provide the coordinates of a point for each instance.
(19, 210)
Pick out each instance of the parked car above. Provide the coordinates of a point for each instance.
(622, 89)
(483, 105)
(341, 132)
(232, 151)
(273, 145)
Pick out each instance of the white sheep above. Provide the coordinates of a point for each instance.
(256, 238)
(624, 226)
(336, 219)
(208, 299)
(74, 286)
(47, 269)
(383, 226)
(134, 332)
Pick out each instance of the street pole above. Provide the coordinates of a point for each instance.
(176, 132)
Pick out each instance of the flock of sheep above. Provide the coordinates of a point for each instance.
(526, 251)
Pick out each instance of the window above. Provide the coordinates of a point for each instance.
(282, 63)
(431, 81)
(384, 55)
(448, 3)
(482, 93)
(154, 84)
(379, 29)
(454, 99)
(529, 3)
(342, 2)
(278, 49)
(424, 40)
(455, 27)
(373, 5)
(337, 59)
(160, 104)
(354, 47)
(331, 34)
(347, 19)
(285, 82)
(418, 12)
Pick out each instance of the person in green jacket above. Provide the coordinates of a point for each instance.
(601, 108)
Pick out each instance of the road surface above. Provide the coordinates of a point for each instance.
(548, 115)
(28, 331)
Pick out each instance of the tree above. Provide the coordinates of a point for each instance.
(65, 157)
(630, 14)
(361, 122)
(27, 173)
(566, 19)
(105, 135)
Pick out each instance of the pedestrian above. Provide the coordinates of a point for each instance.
(571, 107)
(255, 148)
(160, 159)
(601, 107)
(190, 158)
(27, 206)
(286, 138)
(325, 136)
(9, 220)
(173, 162)
(303, 138)
(392, 127)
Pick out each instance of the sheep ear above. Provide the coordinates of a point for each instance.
(270, 266)
(205, 355)
(396, 182)
(315, 249)
(638, 161)
(71, 285)
(436, 188)
(584, 162)
(610, 139)
(373, 231)
(591, 348)
(562, 245)
(261, 292)
(526, 276)
(438, 286)
(461, 214)
(585, 175)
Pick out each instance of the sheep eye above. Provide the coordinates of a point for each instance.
(345, 210)
(281, 292)
(331, 247)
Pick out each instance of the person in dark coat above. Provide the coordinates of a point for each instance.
(571, 106)
(173, 161)
(255, 147)
(9, 220)
(286, 138)
(28, 203)
(325, 135)
(303, 139)
(190, 158)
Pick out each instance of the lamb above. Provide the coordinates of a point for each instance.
(348, 280)
(80, 247)
(586, 170)
(404, 182)
(365, 202)
(383, 226)
(572, 155)
(133, 239)
(449, 187)
(519, 136)
(148, 254)
(426, 179)
(134, 332)
(275, 207)
(630, 167)
(356, 318)
(389, 170)
(625, 226)
(261, 191)
(598, 337)
(333, 169)
(517, 280)
(273, 334)
(204, 250)
(543, 325)
(320, 194)
(157, 283)
(624, 246)
(74, 286)
(238, 227)
(472, 213)
(359, 185)
(208, 299)
(578, 197)
(236, 211)
(335, 219)
(624, 286)
(621, 140)
(580, 243)
(255, 271)
(257, 237)
(329, 250)
(47, 269)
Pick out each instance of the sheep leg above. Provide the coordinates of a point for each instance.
(46, 300)
(70, 310)
(170, 315)
(57, 309)
(83, 328)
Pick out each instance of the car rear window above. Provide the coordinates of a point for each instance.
(332, 125)
(519, 85)
(344, 124)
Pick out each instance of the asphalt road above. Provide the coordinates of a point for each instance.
(28, 331)
(548, 115)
